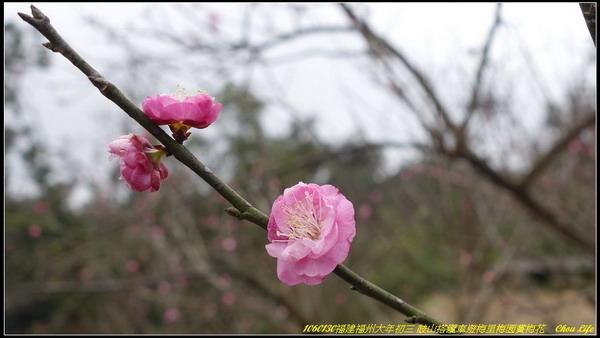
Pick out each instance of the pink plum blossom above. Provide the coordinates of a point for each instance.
(229, 244)
(310, 229)
(171, 315)
(197, 111)
(164, 287)
(228, 299)
(140, 162)
(132, 265)
(34, 231)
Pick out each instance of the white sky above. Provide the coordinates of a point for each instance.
(441, 39)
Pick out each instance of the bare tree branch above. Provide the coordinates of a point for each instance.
(544, 161)
(524, 197)
(474, 102)
(381, 47)
(461, 149)
(589, 15)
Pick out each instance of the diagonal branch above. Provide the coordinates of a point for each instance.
(380, 47)
(522, 195)
(544, 161)
(244, 209)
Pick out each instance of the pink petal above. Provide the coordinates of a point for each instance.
(275, 249)
(297, 249)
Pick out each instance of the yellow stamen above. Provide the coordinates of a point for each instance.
(302, 220)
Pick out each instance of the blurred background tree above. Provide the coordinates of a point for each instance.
(437, 230)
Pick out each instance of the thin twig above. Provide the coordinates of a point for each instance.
(244, 209)
(474, 102)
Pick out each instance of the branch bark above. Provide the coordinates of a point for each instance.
(243, 209)
(589, 15)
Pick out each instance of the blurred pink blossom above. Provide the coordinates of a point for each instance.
(212, 221)
(229, 244)
(310, 229)
(418, 168)
(225, 279)
(197, 111)
(85, 274)
(228, 299)
(489, 277)
(282, 312)
(465, 258)
(40, 208)
(158, 232)
(365, 211)
(139, 161)
(376, 196)
(341, 298)
(164, 287)
(214, 20)
(210, 309)
(406, 175)
(34, 231)
(132, 265)
(576, 146)
(171, 315)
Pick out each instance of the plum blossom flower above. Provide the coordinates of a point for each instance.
(34, 231)
(139, 161)
(171, 315)
(197, 111)
(310, 229)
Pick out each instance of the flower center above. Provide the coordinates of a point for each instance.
(154, 155)
(302, 220)
(181, 95)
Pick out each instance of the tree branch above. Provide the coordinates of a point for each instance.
(544, 161)
(474, 102)
(379, 46)
(587, 243)
(589, 15)
(461, 148)
(243, 208)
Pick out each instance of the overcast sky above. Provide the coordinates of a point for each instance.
(440, 38)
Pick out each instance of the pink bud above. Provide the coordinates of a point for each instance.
(139, 161)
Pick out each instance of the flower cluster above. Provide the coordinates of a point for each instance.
(310, 227)
(139, 160)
